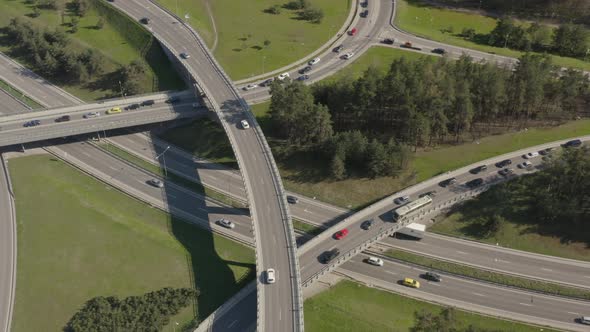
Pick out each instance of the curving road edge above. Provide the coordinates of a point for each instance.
(8, 243)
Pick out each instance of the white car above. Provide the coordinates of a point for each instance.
(526, 164)
(313, 61)
(401, 200)
(156, 183)
(270, 276)
(250, 87)
(283, 76)
(91, 115)
(375, 261)
(531, 155)
(347, 55)
(226, 223)
(245, 124)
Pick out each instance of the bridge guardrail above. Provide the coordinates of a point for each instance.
(293, 261)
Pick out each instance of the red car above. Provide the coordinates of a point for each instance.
(352, 32)
(341, 234)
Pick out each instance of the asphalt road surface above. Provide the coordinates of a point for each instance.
(7, 253)
(9, 105)
(279, 306)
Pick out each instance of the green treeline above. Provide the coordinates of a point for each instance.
(366, 125)
(445, 321)
(554, 201)
(148, 312)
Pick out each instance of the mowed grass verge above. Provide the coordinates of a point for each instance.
(495, 277)
(243, 26)
(429, 22)
(120, 41)
(349, 306)
(79, 238)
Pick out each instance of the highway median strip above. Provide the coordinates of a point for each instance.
(489, 276)
(306, 227)
(179, 180)
(20, 96)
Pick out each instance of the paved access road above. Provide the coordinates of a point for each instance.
(36, 87)
(9, 105)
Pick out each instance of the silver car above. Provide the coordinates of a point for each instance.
(226, 223)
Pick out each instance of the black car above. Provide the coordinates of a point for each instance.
(503, 163)
(546, 151)
(431, 193)
(447, 182)
(173, 100)
(292, 199)
(144, 20)
(329, 255)
(303, 77)
(474, 183)
(338, 48)
(63, 118)
(505, 171)
(132, 107)
(367, 224)
(432, 276)
(573, 143)
(388, 41)
(305, 70)
(267, 82)
(478, 169)
(440, 51)
(364, 13)
(147, 102)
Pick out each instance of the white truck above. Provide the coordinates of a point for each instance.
(413, 230)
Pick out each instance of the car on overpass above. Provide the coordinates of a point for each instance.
(584, 320)
(503, 163)
(388, 41)
(348, 55)
(270, 276)
(32, 123)
(341, 234)
(114, 110)
(440, 51)
(506, 172)
(314, 61)
(411, 283)
(527, 164)
(329, 255)
(245, 124)
(63, 118)
(531, 155)
(283, 76)
(573, 143)
(156, 183)
(367, 224)
(474, 183)
(185, 55)
(91, 115)
(338, 48)
(292, 199)
(250, 87)
(401, 200)
(478, 169)
(144, 20)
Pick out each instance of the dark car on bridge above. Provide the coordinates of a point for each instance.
(366, 225)
(478, 169)
(329, 255)
(474, 183)
(447, 182)
(144, 20)
(503, 163)
(32, 123)
(132, 107)
(63, 118)
(431, 276)
(573, 143)
(440, 51)
(388, 41)
(147, 103)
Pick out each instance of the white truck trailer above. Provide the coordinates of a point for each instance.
(413, 230)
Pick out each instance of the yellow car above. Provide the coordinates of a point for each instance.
(411, 283)
(114, 110)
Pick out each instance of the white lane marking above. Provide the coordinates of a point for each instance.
(526, 304)
(586, 276)
(280, 315)
(113, 168)
(85, 153)
(391, 272)
(232, 324)
(573, 313)
(461, 252)
(546, 269)
(478, 294)
(501, 261)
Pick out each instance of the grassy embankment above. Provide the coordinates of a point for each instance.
(79, 238)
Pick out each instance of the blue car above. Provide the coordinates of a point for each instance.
(32, 123)
(303, 77)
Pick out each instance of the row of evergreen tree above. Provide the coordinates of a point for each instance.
(148, 312)
(419, 103)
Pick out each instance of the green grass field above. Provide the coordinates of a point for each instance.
(120, 41)
(349, 306)
(243, 26)
(428, 22)
(79, 238)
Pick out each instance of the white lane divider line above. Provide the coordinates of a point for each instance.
(478, 294)
(546, 269)
(461, 252)
(526, 304)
